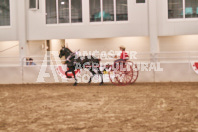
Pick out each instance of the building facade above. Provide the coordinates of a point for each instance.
(29, 20)
(145, 26)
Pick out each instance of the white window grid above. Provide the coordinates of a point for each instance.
(115, 13)
(57, 13)
(184, 16)
(36, 6)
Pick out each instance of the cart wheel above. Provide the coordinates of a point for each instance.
(121, 73)
(112, 77)
(135, 72)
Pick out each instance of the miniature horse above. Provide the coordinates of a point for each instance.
(75, 62)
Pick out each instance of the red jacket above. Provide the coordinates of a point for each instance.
(124, 55)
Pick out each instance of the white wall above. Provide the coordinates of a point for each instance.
(9, 53)
(9, 48)
(56, 44)
(36, 48)
(169, 27)
(179, 43)
(136, 26)
(139, 44)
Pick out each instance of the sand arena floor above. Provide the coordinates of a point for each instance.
(161, 107)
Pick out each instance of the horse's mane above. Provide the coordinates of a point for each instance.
(69, 49)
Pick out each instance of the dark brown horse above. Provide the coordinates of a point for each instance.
(75, 62)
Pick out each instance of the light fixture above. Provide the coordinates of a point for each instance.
(62, 3)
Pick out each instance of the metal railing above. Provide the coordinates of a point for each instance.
(163, 57)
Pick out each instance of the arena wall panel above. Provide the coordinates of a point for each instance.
(31, 75)
(11, 75)
(146, 76)
(173, 72)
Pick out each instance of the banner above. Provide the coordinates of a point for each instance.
(195, 66)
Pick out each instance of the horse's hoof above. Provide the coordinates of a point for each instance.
(75, 84)
(101, 83)
(89, 82)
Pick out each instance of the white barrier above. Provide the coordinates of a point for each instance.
(176, 68)
(11, 75)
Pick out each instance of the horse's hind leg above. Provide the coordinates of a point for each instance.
(101, 75)
(93, 74)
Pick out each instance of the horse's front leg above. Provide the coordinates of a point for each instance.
(93, 74)
(76, 81)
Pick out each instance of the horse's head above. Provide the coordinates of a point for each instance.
(64, 52)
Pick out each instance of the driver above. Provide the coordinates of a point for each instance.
(123, 56)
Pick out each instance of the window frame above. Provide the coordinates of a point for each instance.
(140, 3)
(184, 17)
(115, 18)
(57, 13)
(10, 25)
(37, 5)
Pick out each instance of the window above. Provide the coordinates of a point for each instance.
(4, 12)
(182, 9)
(175, 8)
(76, 11)
(108, 10)
(191, 8)
(34, 4)
(63, 11)
(95, 10)
(121, 10)
(51, 14)
(140, 1)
